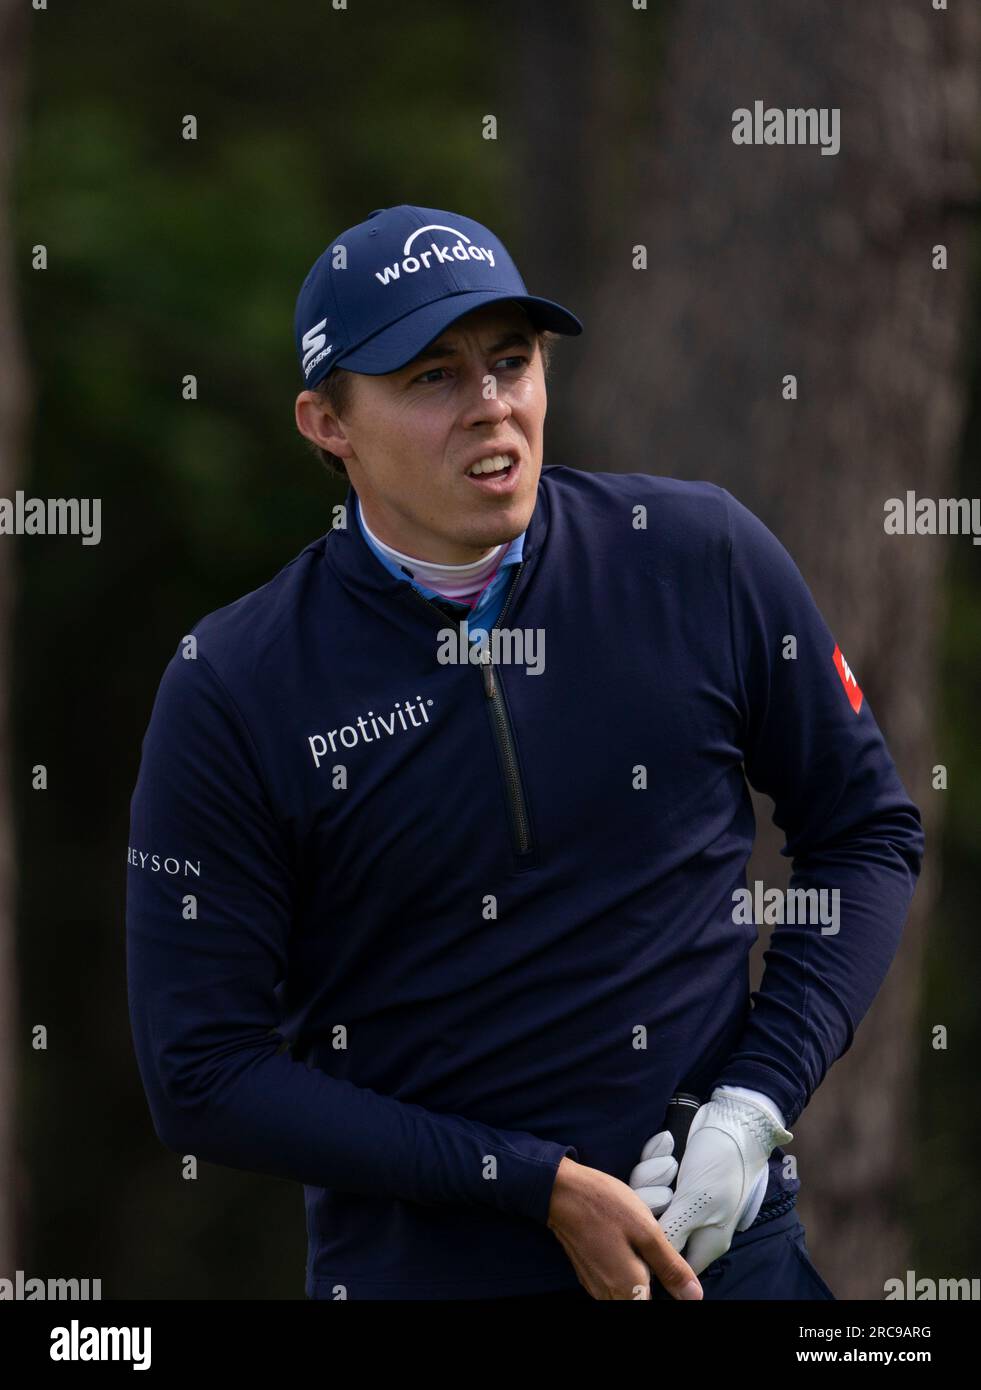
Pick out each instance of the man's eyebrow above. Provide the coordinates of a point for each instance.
(437, 349)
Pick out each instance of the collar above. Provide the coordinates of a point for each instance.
(507, 555)
(358, 568)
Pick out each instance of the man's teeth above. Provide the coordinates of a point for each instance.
(491, 465)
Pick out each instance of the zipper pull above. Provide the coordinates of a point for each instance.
(487, 671)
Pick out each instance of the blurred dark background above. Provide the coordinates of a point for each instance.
(168, 257)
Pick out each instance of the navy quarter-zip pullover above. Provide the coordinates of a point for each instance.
(491, 910)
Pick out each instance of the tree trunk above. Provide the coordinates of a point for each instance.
(14, 17)
(764, 261)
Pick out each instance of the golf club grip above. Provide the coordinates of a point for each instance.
(678, 1117)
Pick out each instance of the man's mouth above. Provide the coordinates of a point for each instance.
(495, 475)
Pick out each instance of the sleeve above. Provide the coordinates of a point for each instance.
(811, 743)
(209, 899)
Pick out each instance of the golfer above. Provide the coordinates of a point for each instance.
(436, 876)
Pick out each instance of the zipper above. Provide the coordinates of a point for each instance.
(505, 739)
(503, 733)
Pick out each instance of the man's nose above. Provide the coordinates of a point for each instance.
(480, 404)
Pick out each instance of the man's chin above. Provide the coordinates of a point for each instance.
(503, 529)
(511, 515)
(498, 520)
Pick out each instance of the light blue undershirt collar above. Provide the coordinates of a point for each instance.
(488, 606)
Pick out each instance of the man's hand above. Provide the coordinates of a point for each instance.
(613, 1241)
(721, 1180)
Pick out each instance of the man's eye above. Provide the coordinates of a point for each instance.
(519, 359)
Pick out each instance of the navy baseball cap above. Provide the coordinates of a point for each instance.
(384, 289)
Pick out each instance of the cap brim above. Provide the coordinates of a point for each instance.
(392, 347)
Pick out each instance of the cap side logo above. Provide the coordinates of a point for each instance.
(314, 350)
(847, 679)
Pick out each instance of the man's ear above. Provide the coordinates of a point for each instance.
(318, 423)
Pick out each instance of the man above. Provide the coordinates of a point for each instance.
(455, 804)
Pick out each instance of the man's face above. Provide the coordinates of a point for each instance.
(409, 438)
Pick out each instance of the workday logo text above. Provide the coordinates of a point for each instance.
(507, 646)
(438, 253)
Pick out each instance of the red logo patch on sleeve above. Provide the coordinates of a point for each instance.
(847, 680)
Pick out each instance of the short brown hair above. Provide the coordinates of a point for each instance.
(335, 391)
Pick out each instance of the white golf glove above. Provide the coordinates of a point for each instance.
(722, 1179)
